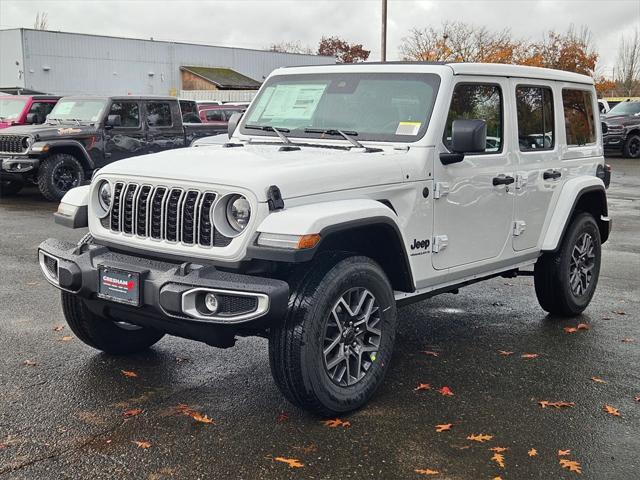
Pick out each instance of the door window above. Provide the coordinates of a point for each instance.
(535, 118)
(578, 117)
(159, 114)
(129, 113)
(42, 109)
(477, 101)
(215, 116)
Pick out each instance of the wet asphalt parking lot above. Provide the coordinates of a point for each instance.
(62, 404)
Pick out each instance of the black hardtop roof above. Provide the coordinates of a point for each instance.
(122, 97)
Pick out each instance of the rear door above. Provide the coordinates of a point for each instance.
(539, 175)
(472, 216)
(128, 138)
(164, 125)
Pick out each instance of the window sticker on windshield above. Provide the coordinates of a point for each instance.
(408, 128)
(64, 108)
(293, 102)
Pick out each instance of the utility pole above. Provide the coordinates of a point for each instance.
(383, 42)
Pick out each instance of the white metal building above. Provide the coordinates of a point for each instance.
(70, 63)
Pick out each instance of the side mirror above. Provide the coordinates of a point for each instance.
(234, 120)
(113, 121)
(467, 136)
(32, 119)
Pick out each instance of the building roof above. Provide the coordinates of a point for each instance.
(224, 78)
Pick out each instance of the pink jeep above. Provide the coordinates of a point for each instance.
(25, 109)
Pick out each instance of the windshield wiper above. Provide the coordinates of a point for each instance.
(277, 130)
(347, 135)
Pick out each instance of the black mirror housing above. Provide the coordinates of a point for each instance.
(467, 136)
(32, 119)
(113, 121)
(234, 120)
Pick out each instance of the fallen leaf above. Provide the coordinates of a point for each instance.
(499, 459)
(570, 329)
(336, 422)
(570, 465)
(598, 380)
(133, 412)
(446, 391)
(583, 326)
(444, 427)
(142, 444)
(498, 449)
(619, 312)
(422, 386)
(530, 355)
(189, 412)
(58, 328)
(66, 338)
(506, 353)
(128, 373)
(480, 438)
(292, 462)
(496, 478)
(628, 340)
(532, 453)
(611, 410)
(564, 453)
(182, 359)
(546, 403)
(637, 399)
(427, 471)
(30, 363)
(282, 417)
(429, 352)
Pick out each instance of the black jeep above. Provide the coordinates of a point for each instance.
(621, 129)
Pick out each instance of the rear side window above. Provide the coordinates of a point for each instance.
(535, 118)
(159, 114)
(578, 117)
(215, 115)
(129, 113)
(477, 101)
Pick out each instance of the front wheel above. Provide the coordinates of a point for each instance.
(566, 280)
(58, 174)
(632, 146)
(101, 333)
(333, 349)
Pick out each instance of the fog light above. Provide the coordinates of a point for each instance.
(211, 303)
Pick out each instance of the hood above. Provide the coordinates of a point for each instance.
(47, 131)
(297, 173)
(621, 119)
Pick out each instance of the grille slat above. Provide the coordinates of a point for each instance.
(171, 214)
(12, 144)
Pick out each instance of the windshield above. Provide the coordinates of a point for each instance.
(371, 106)
(81, 110)
(11, 108)
(625, 108)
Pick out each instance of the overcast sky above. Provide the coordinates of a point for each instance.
(258, 23)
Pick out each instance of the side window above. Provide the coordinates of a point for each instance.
(129, 113)
(159, 114)
(579, 121)
(42, 109)
(215, 116)
(535, 118)
(477, 101)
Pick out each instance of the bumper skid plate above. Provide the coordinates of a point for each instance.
(168, 296)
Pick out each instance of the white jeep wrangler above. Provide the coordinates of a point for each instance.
(344, 191)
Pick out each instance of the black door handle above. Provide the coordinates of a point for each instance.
(551, 174)
(503, 180)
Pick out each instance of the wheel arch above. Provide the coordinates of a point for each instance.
(74, 148)
(577, 196)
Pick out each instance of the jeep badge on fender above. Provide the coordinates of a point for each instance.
(195, 245)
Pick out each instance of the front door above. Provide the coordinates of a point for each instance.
(126, 139)
(164, 126)
(474, 200)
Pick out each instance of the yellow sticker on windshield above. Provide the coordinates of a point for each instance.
(408, 128)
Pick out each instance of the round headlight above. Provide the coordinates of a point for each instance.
(104, 196)
(238, 212)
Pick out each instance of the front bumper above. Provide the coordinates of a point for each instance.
(16, 166)
(168, 292)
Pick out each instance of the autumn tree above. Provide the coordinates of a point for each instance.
(290, 47)
(627, 69)
(342, 51)
(572, 51)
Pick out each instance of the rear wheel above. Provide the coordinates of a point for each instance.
(58, 174)
(333, 349)
(10, 187)
(101, 333)
(632, 146)
(566, 280)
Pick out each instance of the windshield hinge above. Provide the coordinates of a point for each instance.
(440, 190)
(440, 242)
(519, 226)
(274, 198)
(521, 181)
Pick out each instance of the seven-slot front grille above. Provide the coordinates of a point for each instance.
(12, 144)
(162, 213)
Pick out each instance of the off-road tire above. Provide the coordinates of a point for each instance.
(296, 345)
(552, 271)
(46, 183)
(9, 188)
(102, 333)
(632, 146)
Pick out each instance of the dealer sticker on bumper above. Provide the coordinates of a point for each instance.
(119, 285)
